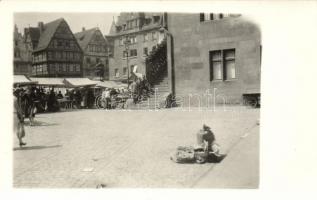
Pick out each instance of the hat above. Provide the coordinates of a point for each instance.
(205, 127)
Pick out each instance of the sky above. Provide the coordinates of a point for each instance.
(75, 20)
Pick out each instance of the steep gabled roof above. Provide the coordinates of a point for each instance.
(34, 34)
(48, 33)
(84, 37)
(112, 28)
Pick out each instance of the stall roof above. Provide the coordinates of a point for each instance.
(107, 84)
(49, 81)
(111, 84)
(21, 79)
(78, 82)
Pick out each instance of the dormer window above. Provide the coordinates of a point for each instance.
(156, 19)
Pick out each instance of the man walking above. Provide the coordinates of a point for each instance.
(18, 118)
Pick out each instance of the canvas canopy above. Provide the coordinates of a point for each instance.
(57, 82)
(78, 82)
(22, 80)
(110, 84)
(107, 84)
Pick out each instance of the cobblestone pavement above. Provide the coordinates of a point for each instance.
(84, 148)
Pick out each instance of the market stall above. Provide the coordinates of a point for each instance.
(49, 82)
(21, 80)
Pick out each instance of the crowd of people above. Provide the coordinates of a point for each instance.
(51, 99)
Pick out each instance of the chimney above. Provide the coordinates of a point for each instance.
(83, 29)
(41, 27)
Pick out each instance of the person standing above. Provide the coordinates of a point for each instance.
(18, 119)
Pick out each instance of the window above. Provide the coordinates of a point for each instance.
(156, 19)
(216, 65)
(64, 67)
(76, 56)
(49, 55)
(71, 55)
(124, 54)
(222, 64)
(88, 60)
(67, 55)
(60, 67)
(55, 43)
(52, 68)
(133, 39)
(64, 55)
(116, 73)
(33, 69)
(212, 16)
(59, 43)
(67, 66)
(71, 67)
(39, 69)
(154, 36)
(44, 69)
(133, 52)
(121, 41)
(145, 37)
(145, 51)
(133, 68)
(229, 64)
(206, 16)
(71, 44)
(58, 55)
(77, 68)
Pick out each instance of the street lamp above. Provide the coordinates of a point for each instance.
(127, 42)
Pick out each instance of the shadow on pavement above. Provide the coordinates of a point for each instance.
(216, 159)
(39, 123)
(35, 147)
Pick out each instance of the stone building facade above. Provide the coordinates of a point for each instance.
(216, 58)
(95, 60)
(56, 52)
(143, 32)
(22, 60)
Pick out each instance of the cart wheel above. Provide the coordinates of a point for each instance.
(200, 160)
(98, 102)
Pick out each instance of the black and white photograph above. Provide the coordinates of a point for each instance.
(158, 100)
(136, 99)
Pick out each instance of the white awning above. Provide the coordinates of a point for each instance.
(22, 80)
(57, 82)
(78, 82)
(106, 84)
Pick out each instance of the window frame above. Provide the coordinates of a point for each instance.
(116, 73)
(225, 61)
(223, 65)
